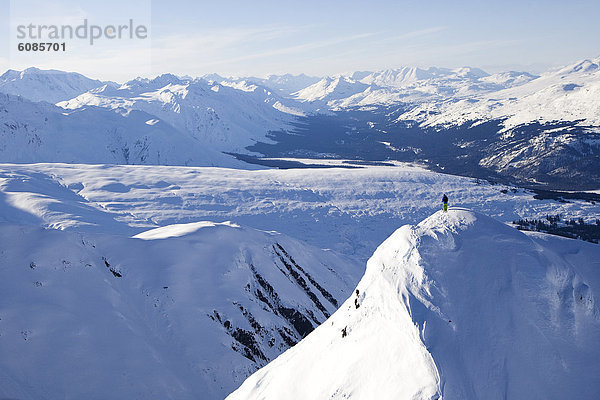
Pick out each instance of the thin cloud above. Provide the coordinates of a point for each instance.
(305, 47)
(223, 39)
(417, 33)
(206, 52)
(4, 64)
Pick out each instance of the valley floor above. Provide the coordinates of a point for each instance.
(350, 210)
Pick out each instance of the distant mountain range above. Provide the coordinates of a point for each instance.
(51, 86)
(513, 125)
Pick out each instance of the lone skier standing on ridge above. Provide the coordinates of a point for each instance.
(445, 203)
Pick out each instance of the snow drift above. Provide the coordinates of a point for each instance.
(458, 307)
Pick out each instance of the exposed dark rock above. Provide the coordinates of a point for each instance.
(324, 292)
(293, 273)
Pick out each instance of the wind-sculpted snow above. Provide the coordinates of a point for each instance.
(459, 306)
(174, 316)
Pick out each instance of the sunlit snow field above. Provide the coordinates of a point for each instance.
(350, 210)
(180, 282)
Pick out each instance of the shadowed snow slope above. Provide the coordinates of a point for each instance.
(458, 307)
(187, 313)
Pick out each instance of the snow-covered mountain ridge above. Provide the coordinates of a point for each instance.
(458, 307)
(566, 94)
(179, 312)
(42, 132)
(189, 308)
(448, 95)
(165, 120)
(225, 117)
(47, 85)
(548, 128)
(512, 126)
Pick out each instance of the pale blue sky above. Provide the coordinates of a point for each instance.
(233, 37)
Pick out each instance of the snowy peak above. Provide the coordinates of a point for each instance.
(288, 83)
(404, 76)
(401, 76)
(442, 307)
(585, 66)
(283, 85)
(331, 88)
(412, 86)
(46, 85)
(165, 79)
(226, 116)
(41, 132)
(509, 79)
(568, 94)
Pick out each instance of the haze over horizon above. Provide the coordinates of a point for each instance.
(262, 38)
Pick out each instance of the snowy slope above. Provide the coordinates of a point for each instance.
(458, 307)
(46, 85)
(179, 312)
(330, 88)
(283, 85)
(566, 94)
(407, 85)
(226, 117)
(41, 132)
(349, 210)
(205, 265)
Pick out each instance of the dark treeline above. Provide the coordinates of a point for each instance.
(569, 227)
